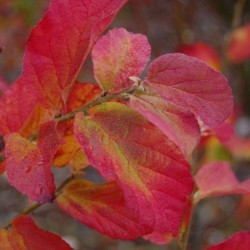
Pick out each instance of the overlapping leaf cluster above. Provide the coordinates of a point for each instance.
(139, 133)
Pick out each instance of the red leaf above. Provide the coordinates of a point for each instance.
(25, 235)
(117, 56)
(48, 142)
(165, 238)
(238, 241)
(179, 126)
(217, 178)
(101, 207)
(203, 52)
(68, 31)
(193, 86)
(238, 48)
(29, 166)
(150, 169)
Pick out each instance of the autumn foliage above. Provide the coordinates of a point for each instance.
(138, 132)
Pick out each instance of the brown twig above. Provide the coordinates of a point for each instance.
(183, 33)
(99, 100)
(29, 209)
(237, 14)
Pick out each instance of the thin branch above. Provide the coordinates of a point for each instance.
(236, 22)
(29, 209)
(185, 236)
(2, 157)
(183, 33)
(99, 100)
(237, 14)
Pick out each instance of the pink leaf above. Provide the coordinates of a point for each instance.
(217, 178)
(193, 86)
(150, 168)
(117, 56)
(238, 241)
(179, 126)
(29, 166)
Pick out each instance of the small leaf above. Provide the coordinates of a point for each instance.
(66, 151)
(79, 161)
(159, 238)
(193, 86)
(28, 165)
(117, 56)
(150, 168)
(179, 126)
(81, 94)
(101, 207)
(217, 178)
(238, 48)
(238, 241)
(25, 235)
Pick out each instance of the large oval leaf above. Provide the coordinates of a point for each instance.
(148, 166)
(61, 42)
(193, 86)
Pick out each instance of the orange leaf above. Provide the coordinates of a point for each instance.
(25, 235)
(66, 151)
(101, 207)
(238, 49)
(81, 94)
